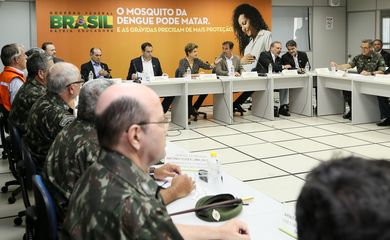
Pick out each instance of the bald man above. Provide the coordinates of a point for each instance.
(116, 191)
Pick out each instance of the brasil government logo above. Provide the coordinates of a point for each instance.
(81, 22)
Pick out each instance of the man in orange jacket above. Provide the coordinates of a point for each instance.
(12, 78)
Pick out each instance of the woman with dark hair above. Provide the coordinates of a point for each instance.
(253, 38)
(192, 62)
(252, 34)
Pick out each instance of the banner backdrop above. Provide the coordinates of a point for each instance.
(119, 28)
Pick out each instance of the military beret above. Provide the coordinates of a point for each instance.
(217, 214)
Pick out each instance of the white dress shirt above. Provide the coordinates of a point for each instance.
(147, 67)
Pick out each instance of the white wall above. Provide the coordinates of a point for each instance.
(363, 21)
(18, 23)
(326, 45)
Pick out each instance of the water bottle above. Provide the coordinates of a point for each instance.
(231, 71)
(215, 177)
(333, 68)
(147, 77)
(90, 75)
(307, 67)
(188, 73)
(270, 68)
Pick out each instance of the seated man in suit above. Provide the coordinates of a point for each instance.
(98, 68)
(150, 65)
(222, 68)
(378, 45)
(345, 199)
(296, 59)
(272, 57)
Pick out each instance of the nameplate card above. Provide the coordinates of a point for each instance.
(288, 223)
(188, 162)
(249, 74)
(159, 78)
(207, 76)
(286, 72)
(322, 70)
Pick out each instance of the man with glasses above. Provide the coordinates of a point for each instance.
(95, 66)
(38, 65)
(116, 191)
(367, 63)
(76, 147)
(12, 78)
(53, 111)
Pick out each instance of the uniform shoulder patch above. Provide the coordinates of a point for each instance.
(66, 120)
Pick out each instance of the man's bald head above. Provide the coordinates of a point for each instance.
(120, 106)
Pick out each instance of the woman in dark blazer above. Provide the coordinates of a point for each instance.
(194, 63)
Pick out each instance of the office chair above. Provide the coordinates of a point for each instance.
(16, 154)
(42, 216)
(3, 130)
(6, 142)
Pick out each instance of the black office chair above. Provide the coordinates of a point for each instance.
(3, 130)
(16, 154)
(12, 159)
(42, 216)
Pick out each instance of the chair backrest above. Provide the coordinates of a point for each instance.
(3, 126)
(46, 226)
(16, 139)
(30, 168)
(177, 73)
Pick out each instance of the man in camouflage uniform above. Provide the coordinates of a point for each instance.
(52, 111)
(76, 147)
(115, 198)
(367, 63)
(38, 65)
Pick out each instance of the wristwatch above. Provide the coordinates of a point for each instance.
(151, 171)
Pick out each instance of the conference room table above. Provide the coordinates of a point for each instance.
(263, 216)
(365, 89)
(223, 88)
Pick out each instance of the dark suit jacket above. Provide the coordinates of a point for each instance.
(87, 67)
(264, 60)
(136, 66)
(302, 60)
(386, 56)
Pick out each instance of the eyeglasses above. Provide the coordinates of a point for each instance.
(81, 81)
(164, 122)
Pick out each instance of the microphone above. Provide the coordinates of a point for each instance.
(138, 79)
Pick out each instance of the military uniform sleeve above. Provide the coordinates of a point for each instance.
(354, 62)
(146, 220)
(381, 64)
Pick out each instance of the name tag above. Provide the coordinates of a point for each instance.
(249, 74)
(207, 76)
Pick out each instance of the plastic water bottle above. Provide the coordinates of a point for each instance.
(147, 77)
(188, 74)
(333, 68)
(90, 75)
(307, 67)
(270, 68)
(231, 71)
(215, 177)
